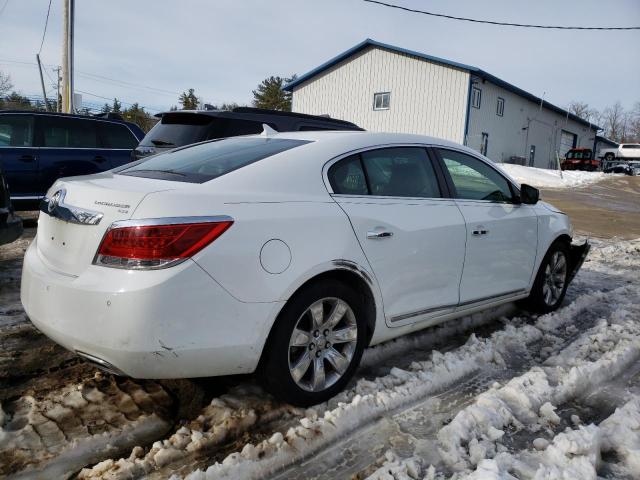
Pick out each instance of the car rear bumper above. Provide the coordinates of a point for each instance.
(171, 323)
(10, 226)
(577, 255)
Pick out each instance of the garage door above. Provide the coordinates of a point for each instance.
(567, 142)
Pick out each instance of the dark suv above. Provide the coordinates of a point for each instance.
(37, 148)
(10, 224)
(178, 128)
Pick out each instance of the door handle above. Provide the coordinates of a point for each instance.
(99, 159)
(373, 234)
(480, 230)
(27, 158)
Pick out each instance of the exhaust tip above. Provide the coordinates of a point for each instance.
(101, 364)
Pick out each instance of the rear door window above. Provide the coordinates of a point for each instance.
(16, 130)
(61, 132)
(206, 161)
(400, 172)
(117, 136)
(347, 177)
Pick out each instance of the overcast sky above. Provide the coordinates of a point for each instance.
(224, 48)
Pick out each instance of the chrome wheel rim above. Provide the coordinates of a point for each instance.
(322, 344)
(555, 276)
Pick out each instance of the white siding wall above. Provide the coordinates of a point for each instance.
(506, 135)
(426, 98)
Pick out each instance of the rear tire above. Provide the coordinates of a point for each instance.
(311, 354)
(551, 282)
(609, 156)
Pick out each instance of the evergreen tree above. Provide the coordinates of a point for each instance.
(188, 100)
(270, 94)
(106, 108)
(117, 106)
(137, 114)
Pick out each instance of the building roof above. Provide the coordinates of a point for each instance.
(602, 139)
(430, 58)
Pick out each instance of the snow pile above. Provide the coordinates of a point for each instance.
(540, 177)
(225, 418)
(55, 436)
(621, 433)
(395, 468)
(605, 351)
(371, 399)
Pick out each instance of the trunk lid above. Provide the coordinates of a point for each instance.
(68, 247)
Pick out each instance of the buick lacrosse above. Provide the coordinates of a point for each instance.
(286, 254)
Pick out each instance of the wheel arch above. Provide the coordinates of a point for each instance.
(351, 274)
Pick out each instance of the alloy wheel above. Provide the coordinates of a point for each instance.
(555, 277)
(322, 344)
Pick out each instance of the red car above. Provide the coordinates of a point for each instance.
(580, 159)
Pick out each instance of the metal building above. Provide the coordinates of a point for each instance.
(385, 88)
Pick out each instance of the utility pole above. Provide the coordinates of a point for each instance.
(44, 91)
(58, 98)
(67, 56)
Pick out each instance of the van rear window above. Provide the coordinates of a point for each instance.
(205, 161)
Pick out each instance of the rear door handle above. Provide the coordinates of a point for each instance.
(379, 234)
(27, 158)
(99, 159)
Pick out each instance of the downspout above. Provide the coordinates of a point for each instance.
(468, 114)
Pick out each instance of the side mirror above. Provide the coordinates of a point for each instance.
(528, 194)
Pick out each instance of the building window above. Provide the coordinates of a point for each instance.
(500, 107)
(381, 100)
(476, 97)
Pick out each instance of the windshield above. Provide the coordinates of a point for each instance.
(206, 161)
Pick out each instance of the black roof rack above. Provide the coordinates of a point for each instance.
(261, 111)
(266, 111)
(109, 115)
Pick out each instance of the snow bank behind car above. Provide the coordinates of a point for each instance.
(540, 177)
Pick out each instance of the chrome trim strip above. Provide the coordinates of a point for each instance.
(100, 363)
(404, 316)
(27, 197)
(443, 308)
(512, 293)
(56, 208)
(145, 222)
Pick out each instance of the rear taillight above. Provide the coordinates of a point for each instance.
(151, 244)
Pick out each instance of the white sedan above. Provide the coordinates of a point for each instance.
(287, 254)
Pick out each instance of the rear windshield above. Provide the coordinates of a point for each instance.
(177, 129)
(203, 162)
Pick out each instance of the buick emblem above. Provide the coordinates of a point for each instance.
(54, 201)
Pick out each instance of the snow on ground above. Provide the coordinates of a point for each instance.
(58, 433)
(540, 177)
(501, 394)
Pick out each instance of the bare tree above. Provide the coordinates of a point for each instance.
(614, 122)
(5, 84)
(582, 110)
(634, 123)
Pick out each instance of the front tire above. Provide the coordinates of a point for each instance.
(551, 281)
(315, 345)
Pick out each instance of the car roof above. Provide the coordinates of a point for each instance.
(67, 115)
(352, 140)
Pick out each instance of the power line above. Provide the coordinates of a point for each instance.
(490, 22)
(101, 78)
(3, 7)
(111, 99)
(46, 22)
